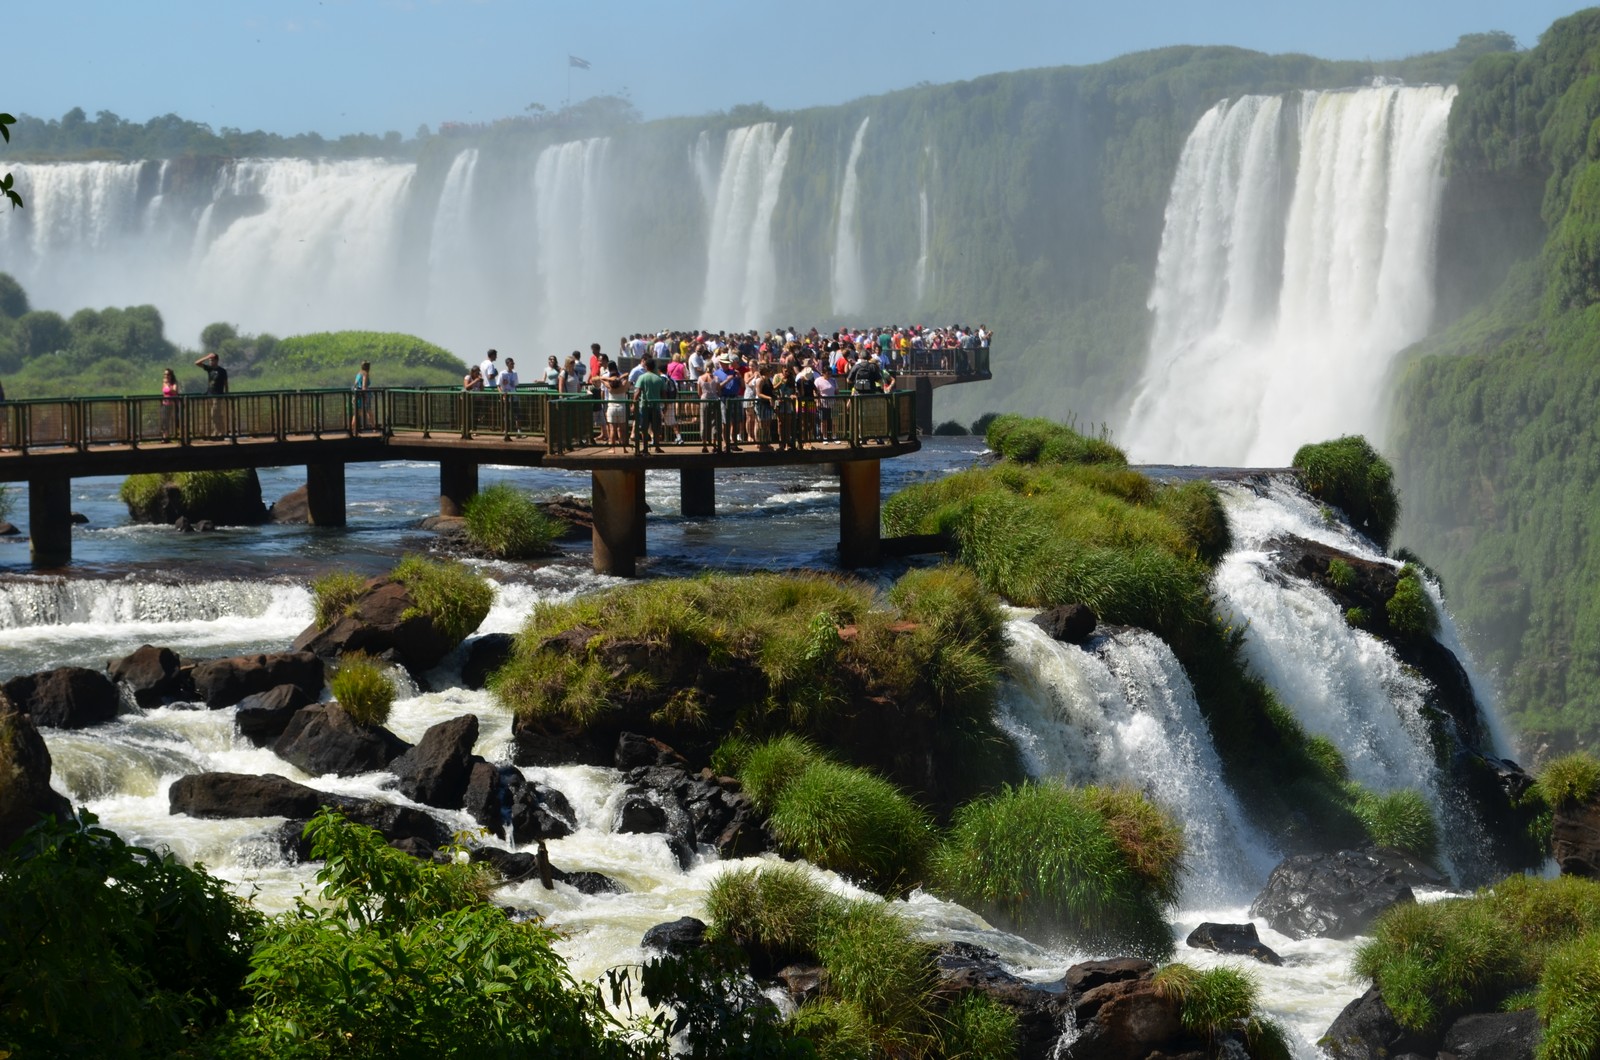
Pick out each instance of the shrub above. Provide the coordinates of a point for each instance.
(1400, 819)
(853, 822)
(453, 597)
(1030, 441)
(1435, 961)
(874, 963)
(1042, 857)
(1221, 1002)
(334, 595)
(837, 1029)
(1568, 1000)
(1411, 611)
(1330, 762)
(980, 426)
(1196, 508)
(1349, 473)
(216, 493)
(977, 1027)
(949, 428)
(1357, 617)
(363, 689)
(1340, 574)
(768, 769)
(773, 910)
(508, 524)
(1151, 841)
(1570, 779)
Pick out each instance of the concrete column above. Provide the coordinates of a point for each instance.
(639, 505)
(50, 521)
(618, 520)
(859, 536)
(697, 492)
(325, 494)
(458, 483)
(924, 401)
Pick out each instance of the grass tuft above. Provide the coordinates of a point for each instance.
(507, 523)
(453, 597)
(1400, 819)
(363, 689)
(1411, 611)
(1221, 1002)
(1570, 779)
(1349, 473)
(334, 596)
(977, 1027)
(1568, 1000)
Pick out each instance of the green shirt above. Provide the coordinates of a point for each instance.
(651, 387)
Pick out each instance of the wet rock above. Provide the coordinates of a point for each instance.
(9, 529)
(676, 936)
(486, 798)
(224, 682)
(261, 718)
(802, 981)
(540, 812)
(1126, 1019)
(69, 697)
(574, 513)
(435, 771)
(236, 503)
(485, 655)
(420, 849)
(79, 519)
(700, 808)
(1368, 1030)
(1081, 978)
(154, 675)
(27, 794)
(1575, 838)
(292, 508)
(586, 882)
(231, 795)
(384, 618)
(1041, 1010)
(519, 866)
(182, 525)
(323, 738)
(634, 751)
(1071, 623)
(639, 814)
(205, 526)
(394, 823)
(1232, 938)
(1336, 895)
(1494, 1036)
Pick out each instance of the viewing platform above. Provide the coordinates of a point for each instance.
(48, 442)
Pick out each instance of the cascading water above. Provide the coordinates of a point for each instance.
(849, 281)
(1276, 315)
(741, 269)
(569, 195)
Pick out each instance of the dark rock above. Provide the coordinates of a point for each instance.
(639, 814)
(382, 619)
(1071, 623)
(575, 514)
(1367, 1030)
(182, 525)
(540, 812)
(1333, 895)
(485, 654)
(1575, 838)
(152, 674)
(237, 505)
(261, 718)
(323, 738)
(291, 508)
(27, 795)
(9, 529)
(485, 798)
(231, 795)
(1042, 1011)
(1494, 1036)
(205, 526)
(1232, 938)
(586, 882)
(1081, 978)
(69, 697)
(677, 936)
(79, 519)
(803, 981)
(224, 682)
(435, 771)
(634, 751)
(701, 808)
(518, 866)
(417, 848)
(394, 823)
(1126, 1019)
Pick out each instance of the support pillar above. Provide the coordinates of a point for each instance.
(618, 511)
(50, 521)
(924, 402)
(697, 492)
(458, 483)
(640, 506)
(860, 542)
(325, 494)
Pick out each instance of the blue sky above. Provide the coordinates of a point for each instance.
(339, 66)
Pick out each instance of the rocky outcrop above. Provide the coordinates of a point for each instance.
(485, 655)
(1575, 838)
(323, 738)
(1232, 938)
(154, 675)
(237, 502)
(518, 866)
(692, 808)
(261, 718)
(1337, 895)
(678, 936)
(538, 812)
(435, 771)
(293, 508)
(69, 697)
(575, 514)
(224, 682)
(384, 620)
(26, 794)
(1043, 1012)
(1070, 623)
(488, 798)
(1493, 1036)
(405, 827)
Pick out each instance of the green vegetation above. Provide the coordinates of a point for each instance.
(1568, 1000)
(363, 689)
(1040, 441)
(1340, 574)
(334, 596)
(1400, 819)
(1411, 611)
(507, 523)
(1437, 960)
(213, 495)
(328, 359)
(1096, 866)
(1349, 474)
(454, 598)
(1221, 1002)
(1570, 779)
(979, 1028)
(950, 428)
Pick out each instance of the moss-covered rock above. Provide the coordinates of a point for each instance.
(226, 498)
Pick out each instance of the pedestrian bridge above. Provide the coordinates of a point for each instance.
(50, 441)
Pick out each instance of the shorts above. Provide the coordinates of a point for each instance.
(616, 413)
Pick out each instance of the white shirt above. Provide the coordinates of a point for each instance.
(490, 370)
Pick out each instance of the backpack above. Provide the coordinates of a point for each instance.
(669, 387)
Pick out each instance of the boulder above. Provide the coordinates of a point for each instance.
(261, 718)
(1125, 1020)
(69, 697)
(518, 866)
(224, 682)
(9, 529)
(152, 674)
(229, 795)
(323, 738)
(1334, 895)
(677, 936)
(587, 882)
(236, 503)
(291, 508)
(435, 771)
(634, 750)
(639, 814)
(485, 655)
(1367, 1030)
(1083, 977)
(27, 794)
(1071, 623)
(79, 519)
(395, 823)
(1575, 838)
(575, 514)
(1494, 1036)
(1041, 1009)
(540, 812)
(695, 808)
(383, 619)
(1232, 938)
(802, 981)
(486, 799)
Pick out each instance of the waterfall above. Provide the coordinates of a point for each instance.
(849, 281)
(924, 227)
(569, 193)
(1126, 714)
(741, 269)
(1288, 278)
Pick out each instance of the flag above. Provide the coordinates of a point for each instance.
(581, 64)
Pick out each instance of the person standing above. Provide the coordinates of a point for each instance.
(508, 395)
(490, 369)
(651, 393)
(360, 399)
(216, 388)
(552, 374)
(169, 404)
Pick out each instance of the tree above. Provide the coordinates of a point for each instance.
(6, 121)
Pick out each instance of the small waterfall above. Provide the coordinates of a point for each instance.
(35, 602)
(742, 271)
(849, 280)
(569, 193)
(1126, 714)
(924, 229)
(1275, 315)
(705, 173)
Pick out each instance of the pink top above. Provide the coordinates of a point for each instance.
(675, 370)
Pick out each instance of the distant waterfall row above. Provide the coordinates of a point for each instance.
(575, 243)
(1296, 260)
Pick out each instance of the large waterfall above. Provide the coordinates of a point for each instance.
(1297, 259)
(849, 294)
(741, 269)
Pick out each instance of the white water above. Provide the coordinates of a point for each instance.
(1297, 259)
(741, 269)
(849, 280)
(569, 190)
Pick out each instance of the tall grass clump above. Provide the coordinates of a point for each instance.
(1043, 858)
(1349, 474)
(507, 523)
(977, 1027)
(334, 595)
(1399, 819)
(1031, 440)
(1568, 1000)
(1570, 779)
(1410, 609)
(454, 598)
(874, 962)
(765, 770)
(775, 912)
(363, 689)
(1220, 1003)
